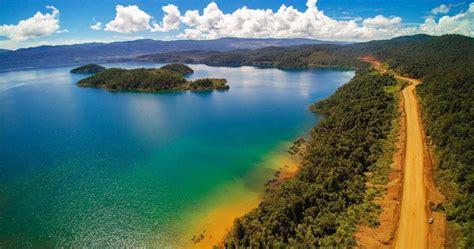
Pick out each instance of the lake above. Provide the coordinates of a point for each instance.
(88, 167)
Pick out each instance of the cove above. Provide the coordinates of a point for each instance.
(88, 167)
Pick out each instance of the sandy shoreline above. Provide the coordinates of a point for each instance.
(212, 226)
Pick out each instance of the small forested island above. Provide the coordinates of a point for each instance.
(88, 69)
(167, 78)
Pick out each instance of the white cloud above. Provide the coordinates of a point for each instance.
(62, 31)
(171, 20)
(129, 19)
(381, 21)
(97, 26)
(289, 22)
(286, 22)
(192, 34)
(36, 26)
(442, 9)
(462, 23)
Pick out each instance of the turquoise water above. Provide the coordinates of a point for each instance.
(87, 167)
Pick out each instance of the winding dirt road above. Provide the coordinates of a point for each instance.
(413, 227)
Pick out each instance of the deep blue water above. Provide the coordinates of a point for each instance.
(88, 167)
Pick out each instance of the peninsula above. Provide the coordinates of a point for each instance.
(167, 78)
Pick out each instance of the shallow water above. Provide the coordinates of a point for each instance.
(88, 167)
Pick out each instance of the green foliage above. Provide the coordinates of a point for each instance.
(448, 103)
(438, 55)
(134, 79)
(208, 83)
(180, 69)
(313, 208)
(307, 56)
(168, 77)
(89, 68)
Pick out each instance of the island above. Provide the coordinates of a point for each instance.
(167, 78)
(88, 69)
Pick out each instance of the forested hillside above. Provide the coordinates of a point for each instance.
(48, 56)
(439, 55)
(395, 52)
(305, 56)
(311, 209)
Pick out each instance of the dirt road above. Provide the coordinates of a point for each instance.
(413, 227)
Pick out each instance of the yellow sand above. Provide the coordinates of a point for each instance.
(235, 201)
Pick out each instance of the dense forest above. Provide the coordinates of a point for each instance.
(168, 77)
(331, 55)
(311, 209)
(180, 69)
(304, 56)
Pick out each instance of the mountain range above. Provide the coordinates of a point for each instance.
(51, 56)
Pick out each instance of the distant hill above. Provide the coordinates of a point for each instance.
(294, 57)
(49, 56)
(395, 51)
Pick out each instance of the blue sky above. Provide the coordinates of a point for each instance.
(66, 21)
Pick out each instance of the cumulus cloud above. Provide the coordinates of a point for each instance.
(171, 19)
(97, 26)
(286, 22)
(129, 19)
(62, 31)
(381, 21)
(442, 9)
(462, 23)
(36, 26)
